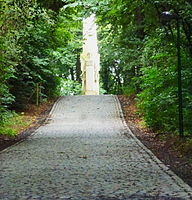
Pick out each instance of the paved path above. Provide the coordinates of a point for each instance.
(86, 152)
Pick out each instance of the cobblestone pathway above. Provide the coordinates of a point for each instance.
(86, 152)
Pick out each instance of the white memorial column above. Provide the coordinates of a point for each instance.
(90, 58)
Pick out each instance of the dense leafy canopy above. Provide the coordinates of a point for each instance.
(41, 40)
(139, 55)
(39, 43)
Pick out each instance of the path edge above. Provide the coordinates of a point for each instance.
(161, 165)
(33, 132)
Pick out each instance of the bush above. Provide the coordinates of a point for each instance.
(69, 87)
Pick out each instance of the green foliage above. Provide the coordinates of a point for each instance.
(102, 91)
(38, 44)
(139, 55)
(9, 123)
(70, 87)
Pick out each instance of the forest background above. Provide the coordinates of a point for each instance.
(41, 42)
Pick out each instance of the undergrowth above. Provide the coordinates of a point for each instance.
(13, 123)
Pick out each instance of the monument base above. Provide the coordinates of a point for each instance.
(91, 93)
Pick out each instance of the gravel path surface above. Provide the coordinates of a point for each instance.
(86, 151)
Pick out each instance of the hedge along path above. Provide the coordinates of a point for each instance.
(86, 151)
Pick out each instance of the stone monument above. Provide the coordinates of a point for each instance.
(90, 58)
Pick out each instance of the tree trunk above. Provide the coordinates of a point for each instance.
(72, 74)
(78, 69)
